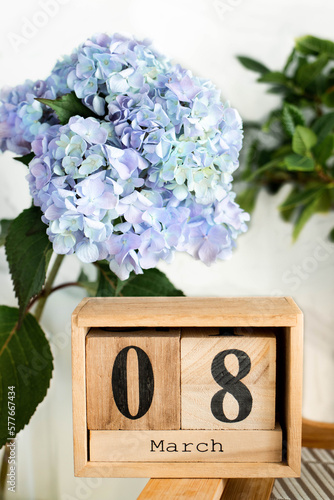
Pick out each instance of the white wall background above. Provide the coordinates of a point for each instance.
(204, 35)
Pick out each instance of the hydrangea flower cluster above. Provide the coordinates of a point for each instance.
(22, 117)
(149, 173)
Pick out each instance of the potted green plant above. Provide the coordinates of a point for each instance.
(294, 144)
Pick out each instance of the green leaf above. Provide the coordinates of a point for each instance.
(89, 286)
(296, 199)
(306, 212)
(287, 214)
(67, 106)
(26, 159)
(28, 251)
(331, 235)
(311, 45)
(107, 281)
(328, 98)
(267, 166)
(289, 60)
(324, 201)
(251, 125)
(303, 140)
(249, 158)
(25, 363)
(309, 72)
(298, 162)
(253, 65)
(152, 283)
(323, 126)
(251, 154)
(82, 276)
(274, 77)
(278, 89)
(247, 198)
(273, 117)
(4, 228)
(282, 151)
(287, 211)
(324, 150)
(291, 117)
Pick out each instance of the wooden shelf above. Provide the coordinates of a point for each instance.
(318, 434)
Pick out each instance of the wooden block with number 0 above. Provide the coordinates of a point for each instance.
(228, 382)
(133, 379)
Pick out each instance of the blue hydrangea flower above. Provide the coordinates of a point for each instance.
(149, 175)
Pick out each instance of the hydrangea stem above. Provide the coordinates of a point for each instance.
(48, 286)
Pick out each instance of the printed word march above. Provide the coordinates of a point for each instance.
(172, 447)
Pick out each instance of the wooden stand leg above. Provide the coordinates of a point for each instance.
(208, 489)
(182, 489)
(248, 489)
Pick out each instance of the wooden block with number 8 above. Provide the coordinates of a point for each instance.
(228, 382)
(133, 379)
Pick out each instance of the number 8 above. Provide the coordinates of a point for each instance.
(232, 385)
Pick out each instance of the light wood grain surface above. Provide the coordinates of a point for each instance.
(80, 445)
(198, 385)
(185, 470)
(163, 351)
(208, 489)
(183, 489)
(293, 393)
(188, 311)
(248, 489)
(186, 446)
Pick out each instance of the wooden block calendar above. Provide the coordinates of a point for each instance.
(187, 387)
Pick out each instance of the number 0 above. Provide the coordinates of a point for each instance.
(120, 384)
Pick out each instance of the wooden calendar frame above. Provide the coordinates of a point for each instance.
(280, 313)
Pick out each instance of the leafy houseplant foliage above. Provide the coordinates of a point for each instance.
(295, 144)
(130, 158)
(26, 363)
